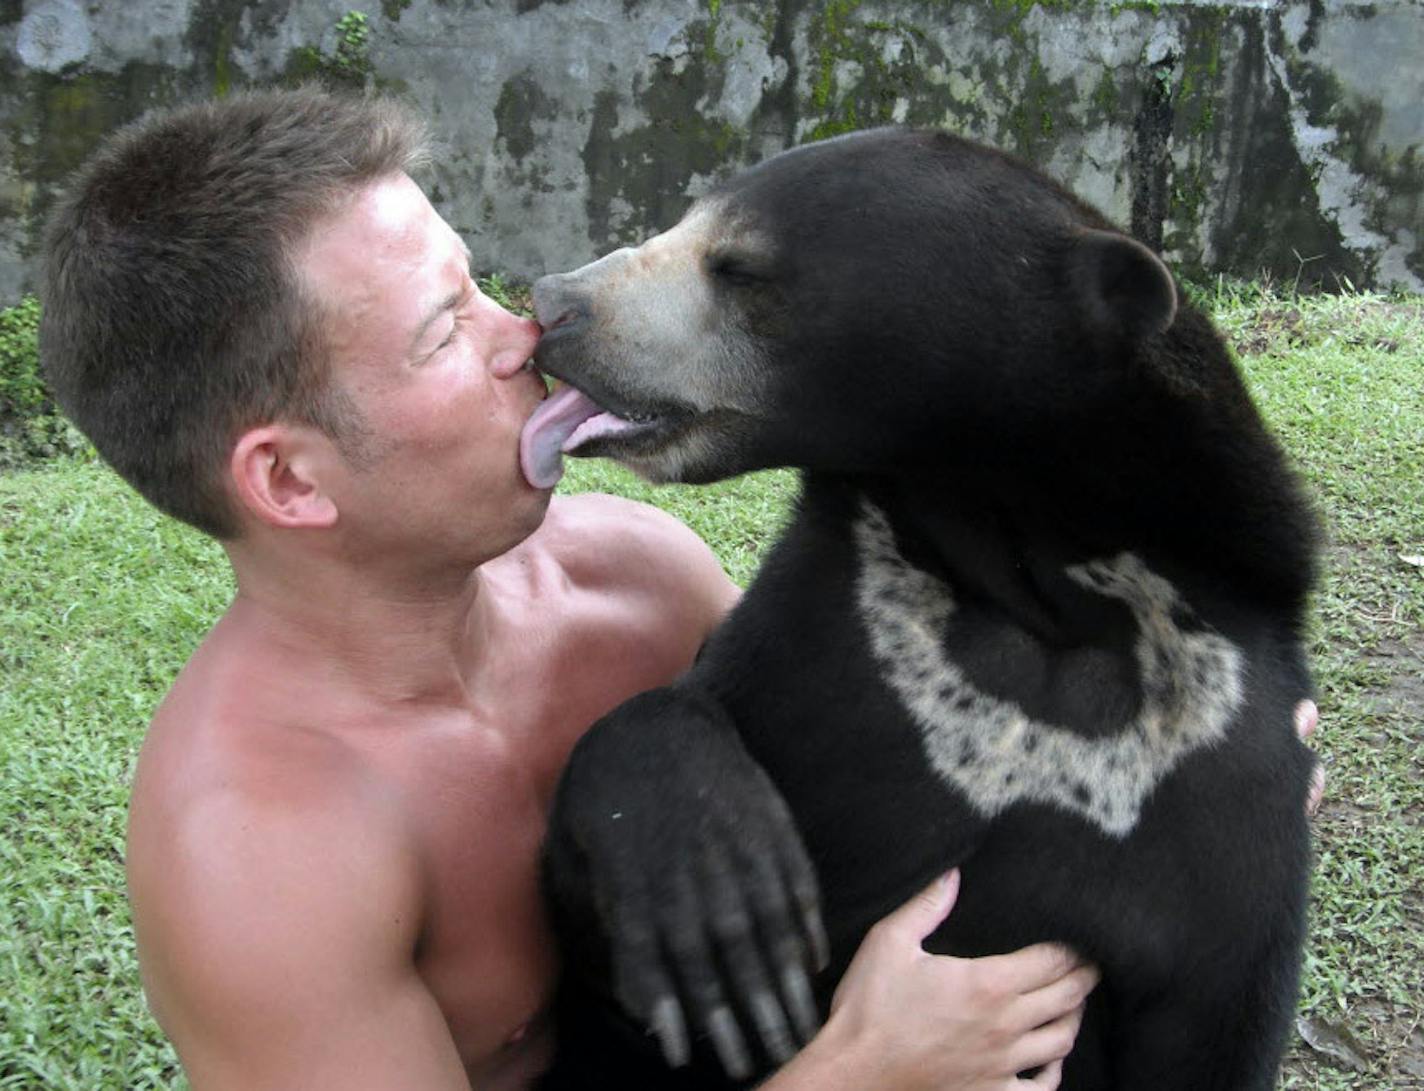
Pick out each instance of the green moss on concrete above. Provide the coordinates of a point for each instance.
(645, 170)
(1008, 15)
(1151, 7)
(222, 61)
(305, 62)
(842, 43)
(831, 42)
(1187, 198)
(1397, 176)
(212, 35)
(711, 51)
(1039, 109)
(1193, 88)
(1104, 101)
(347, 67)
(68, 115)
(1199, 86)
(521, 103)
(766, 21)
(1356, 122)
(1274, 220)
(1021, 8)
(392, 9)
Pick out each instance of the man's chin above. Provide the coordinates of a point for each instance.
(534, 507)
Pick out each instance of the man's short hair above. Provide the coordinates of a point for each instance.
(173, 317)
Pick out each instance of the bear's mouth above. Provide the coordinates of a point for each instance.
(571, 422)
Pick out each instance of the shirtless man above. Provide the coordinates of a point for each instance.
(263, 324)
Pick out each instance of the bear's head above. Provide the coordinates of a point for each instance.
(864, 303)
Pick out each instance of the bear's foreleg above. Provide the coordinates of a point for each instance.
(676, 874)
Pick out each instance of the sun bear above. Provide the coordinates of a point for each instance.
(1037, 614)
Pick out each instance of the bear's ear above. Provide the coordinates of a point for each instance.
(1121, 287)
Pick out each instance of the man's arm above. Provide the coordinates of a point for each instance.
(276, 940)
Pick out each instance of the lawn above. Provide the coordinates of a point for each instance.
(101, 601)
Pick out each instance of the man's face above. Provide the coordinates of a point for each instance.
(437, 371)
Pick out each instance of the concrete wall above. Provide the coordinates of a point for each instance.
(1237, 136)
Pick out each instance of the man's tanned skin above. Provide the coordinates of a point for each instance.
(337, 814)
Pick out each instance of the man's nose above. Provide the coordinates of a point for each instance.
(517, 340)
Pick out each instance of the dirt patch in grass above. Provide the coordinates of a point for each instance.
(1286, 325)
(1404, 662)
(1271, 328)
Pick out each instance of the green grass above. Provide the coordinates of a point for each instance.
(102, 600)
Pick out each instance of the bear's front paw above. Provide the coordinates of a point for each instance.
(670, 836)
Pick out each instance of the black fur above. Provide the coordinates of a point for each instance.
(1019, 388)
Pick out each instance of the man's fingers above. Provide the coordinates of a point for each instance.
(1316, 793)
(1055, 999)
(926, 911)
(1031, 968)
(1307, 718)
(1050, 1042)
(1048, 1077)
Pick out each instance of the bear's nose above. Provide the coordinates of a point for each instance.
(557, 303)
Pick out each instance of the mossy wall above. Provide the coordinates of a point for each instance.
(1237, 137)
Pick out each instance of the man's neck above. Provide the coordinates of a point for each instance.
(398, 638)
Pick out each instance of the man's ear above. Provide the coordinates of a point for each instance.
(1122, 289)
(273, 471)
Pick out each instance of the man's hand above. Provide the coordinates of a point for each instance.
(906, 1019)
(670, 841)
(1307, 719)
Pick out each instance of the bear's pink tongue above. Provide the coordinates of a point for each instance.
(542, 440)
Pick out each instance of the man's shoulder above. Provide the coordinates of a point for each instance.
(614, 521)
(213, 796)
(228, 851)
(264, 897)
(229, 785)
(633, 546)
(636, 569)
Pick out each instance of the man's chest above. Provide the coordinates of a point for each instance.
(479, 799)
(474, 807)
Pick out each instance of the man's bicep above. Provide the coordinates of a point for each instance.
(376, 1036)
(278, 951)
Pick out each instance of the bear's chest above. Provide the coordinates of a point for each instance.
(1182, 682)
(880, 687)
